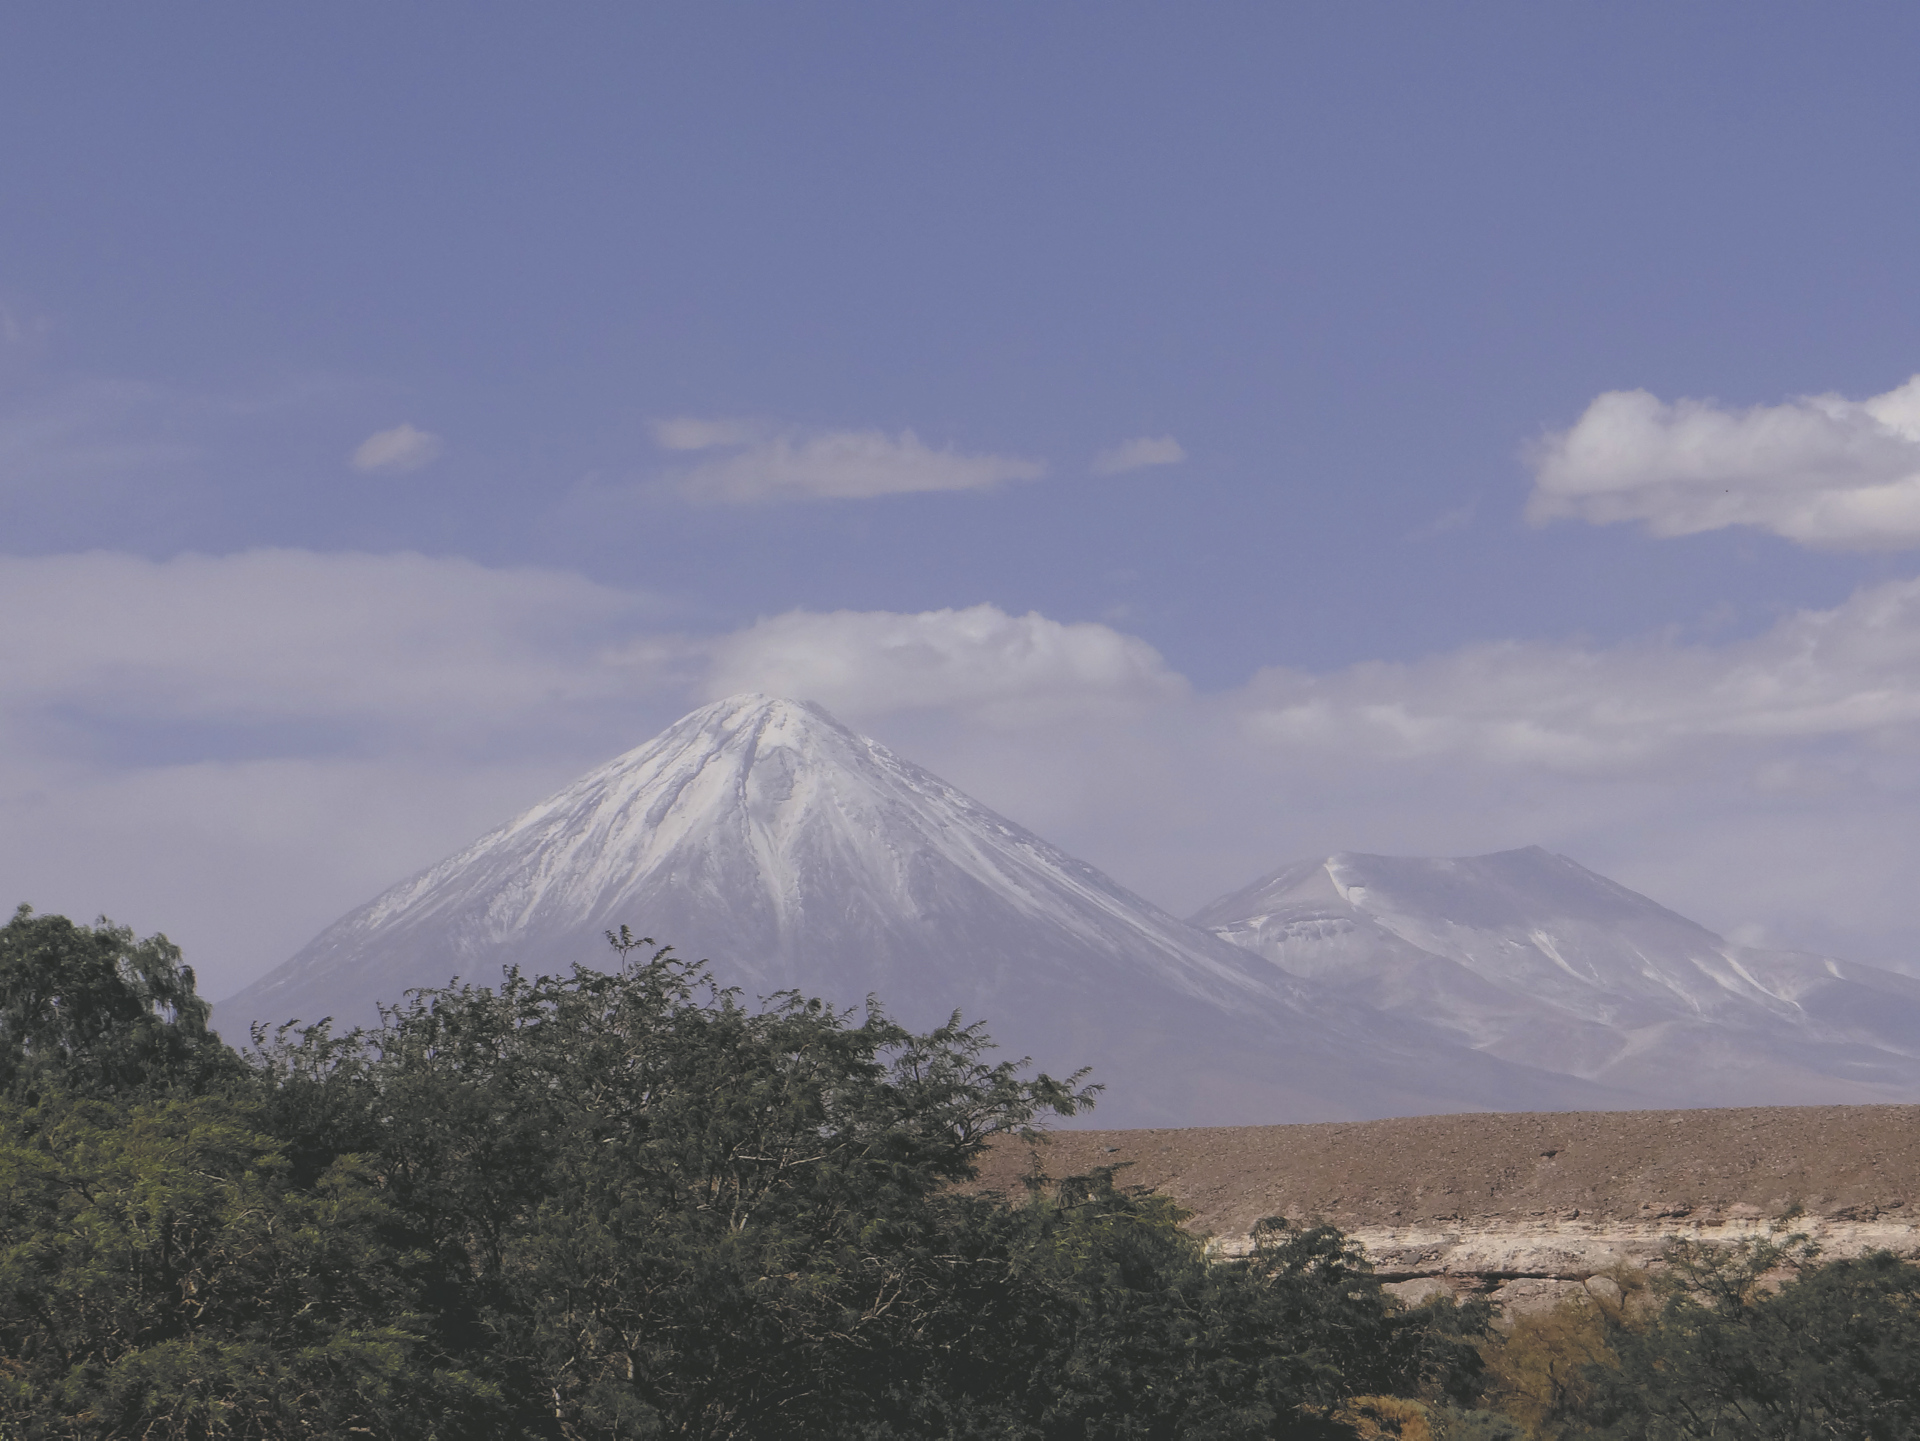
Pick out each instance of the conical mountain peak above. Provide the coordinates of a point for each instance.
(762, 834)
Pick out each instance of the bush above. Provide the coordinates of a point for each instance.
(159, 1278)
(615, 1205)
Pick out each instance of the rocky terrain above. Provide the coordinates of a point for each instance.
(1527, 1206)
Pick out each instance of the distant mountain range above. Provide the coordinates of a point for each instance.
(1531, 957)
(763, 835)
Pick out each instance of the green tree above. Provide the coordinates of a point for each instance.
(160, 1279)
(658, 1209)
(651, 1209)
(620, 1205)
(1757, 1341)
(1122, 1325)
(88, 1010)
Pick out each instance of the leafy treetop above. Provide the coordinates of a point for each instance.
(88, 1010)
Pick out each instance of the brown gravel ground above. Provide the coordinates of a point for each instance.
(1846, 1162)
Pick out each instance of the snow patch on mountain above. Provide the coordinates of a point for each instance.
(1530, 956)
(761, 833)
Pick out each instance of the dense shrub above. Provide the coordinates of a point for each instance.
(1757, 1341)
(612, 1205)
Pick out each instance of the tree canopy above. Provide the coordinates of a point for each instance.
(1754, 1341)
(87, 1010)
(628, 1203)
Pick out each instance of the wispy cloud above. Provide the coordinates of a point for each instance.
(1446, 523)
(318, 725)
(759, 466)
(96, 433)
(354, 643)
(1768, 779)
(1821, 470)
(1816, 676)
(403, 448)
(1138, 454)
(688, 432)
(237, 748)
(21, 330)
(103, 462)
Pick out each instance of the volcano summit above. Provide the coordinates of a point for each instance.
(764, 835)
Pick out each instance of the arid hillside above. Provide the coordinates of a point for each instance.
(1836, 1161)
(1512, 1201)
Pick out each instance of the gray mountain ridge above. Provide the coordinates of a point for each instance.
(794, 854)
(763, 835)
(1529, 956)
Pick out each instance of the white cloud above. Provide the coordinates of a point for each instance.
(688, 432)
(237, 749)
(1852, 672)
(835, 465)
(1138, 454)
(1820, 470)
(870, 663)
(1770, 780)
(401, 449)
(404, 643)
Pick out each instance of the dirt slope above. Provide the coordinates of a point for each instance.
(1846, 1163)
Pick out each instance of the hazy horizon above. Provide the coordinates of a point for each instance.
(1210, 438)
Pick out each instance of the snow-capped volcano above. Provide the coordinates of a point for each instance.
(1528, 955)
(764, 835)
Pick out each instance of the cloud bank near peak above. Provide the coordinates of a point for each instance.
(1769, 781)
(758, 465)
(237, 749)
(980, 659)
(1820, 470)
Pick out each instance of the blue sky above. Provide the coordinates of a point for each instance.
(584, 361)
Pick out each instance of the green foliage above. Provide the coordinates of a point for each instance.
(672, 1212)
(1756, 1341)
(1547, 1368)
(1145, 1336)
(90, 1011)
(158, 1278)
(654, 1210)
(616, 1205)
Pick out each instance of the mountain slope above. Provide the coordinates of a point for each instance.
(1530, 956)
(764, 835)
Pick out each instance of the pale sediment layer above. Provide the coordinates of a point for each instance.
(1527, 1206)
(1521, 1263)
